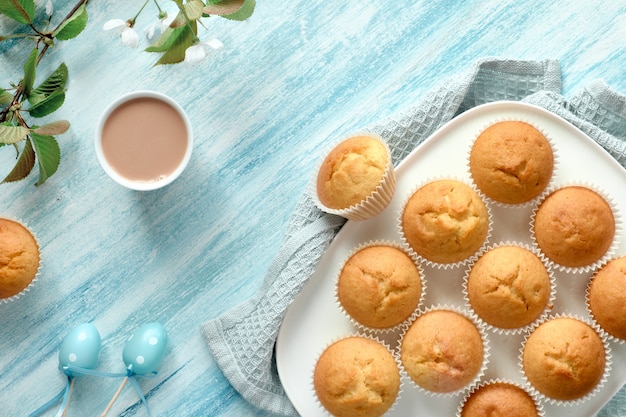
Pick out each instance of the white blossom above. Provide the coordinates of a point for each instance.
(200, 51)
(49, 8)
(156, 29)
(126, 31)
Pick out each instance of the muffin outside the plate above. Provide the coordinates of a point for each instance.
(356, 178)
(606, 298)
(574, 226)
(564, 358)
(442, 351)
(356, 376)
(499, 399)
(19, 258)
(445, 221)
(511, 162)
(379, 286)
(508, 287)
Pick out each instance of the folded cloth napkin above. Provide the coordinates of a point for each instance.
(242, 340)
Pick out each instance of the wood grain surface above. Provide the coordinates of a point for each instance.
(289, 80)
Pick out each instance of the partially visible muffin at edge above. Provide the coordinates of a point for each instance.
(379, 286)
(442, 351)
(445, 221)
(352, 171)
(19, 258)
(511, 162)
(574, 226)
(508, 287)
(499, 399)
(607, 297)
(564, 358)
(356, 376)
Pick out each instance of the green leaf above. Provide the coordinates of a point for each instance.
(223, 7)
(23, 166)
(165, 41)
(56, 81)
(5, 97)
(184, 39)
(193, 9)
(48, 105)
(244, 12)
(55, 128)
(12, 134)
(48, 155)
(21, 10)
(30, 71)
(72, 27)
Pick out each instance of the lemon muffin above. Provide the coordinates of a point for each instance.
(445, 221)
(356, 377)
(379, 286)
(511, 162)
(508, 287)
(564, 358)
(356, 169)
(499, 399)
(607, 298)
(442, 351)
(19, 258)
(574, 226)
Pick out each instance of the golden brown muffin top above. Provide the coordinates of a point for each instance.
(511, 162)
(574, 226)
(607, 297)
(351, 172)
(564, 358)
(499, 399)
(379, 286)
(508, 287)
(356, 376)
(445, 221)
(19, 258)
(442, 351)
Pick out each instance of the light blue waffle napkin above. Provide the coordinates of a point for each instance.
(242, 340)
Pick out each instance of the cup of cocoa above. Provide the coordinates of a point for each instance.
(143, 140)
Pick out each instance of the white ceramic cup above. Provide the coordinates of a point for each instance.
(133, 184)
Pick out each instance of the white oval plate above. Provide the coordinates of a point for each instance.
(313, 320)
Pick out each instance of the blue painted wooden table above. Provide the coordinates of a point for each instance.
(289, 79)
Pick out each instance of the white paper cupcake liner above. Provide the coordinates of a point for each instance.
(616, 238)
(486, 350)
(555, 159)
(321, 407)
(37, 274)
(538, 405)
(606, 333)
(425, 260)
(549, 303)
(373, 204)
(607, 363)
(376, 330)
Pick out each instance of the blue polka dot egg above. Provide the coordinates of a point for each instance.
(80, 347)
(144, 350)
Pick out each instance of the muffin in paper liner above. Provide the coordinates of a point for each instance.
(372, 204)
(440, 344)
(600, 258)
(356, 317)
(473, 251)
(549, 303)
(498, 381)
(368, 337)
(547, 182)
(592, 391)
(33, 281)
(611, 301)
